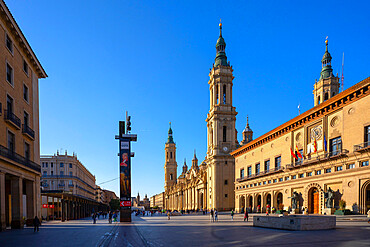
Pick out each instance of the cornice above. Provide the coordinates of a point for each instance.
(10, 22)
(352, 94)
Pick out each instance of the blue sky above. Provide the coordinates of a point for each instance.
(152, 58)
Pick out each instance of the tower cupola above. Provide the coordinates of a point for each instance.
(221, 58)
(194, 162)
(247, 134)
(170, 137)
(184, 167)
(326, 70)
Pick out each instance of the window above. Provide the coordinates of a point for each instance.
(318, 100)
(318, 172)
(249, 171)
(335, 145)
(351, 166)
(70, 173)
(42, 164)
(258, 168)
(226, 182)
(44, 173)
(25, 92)
(367, 136)
(9, 73)
(339, 168)
(294, 176)
(326, 96)
(267, 165)
(275, 180)
(280, 179)
(242, 173)
(278, 162)
(243, 186)
(9, 43)
(25, 67)
(365, 163)
(46, 164)
(264, 182)
(259, 183)
(225, 162)
(224, 94)
(167, 155)
(61, 164)
(51, 164)
(11, 142)
(171, 176)
(216, 94)
(61, 173)
(70, 182)
(286, 178)
(52, 173)
(9, 104)
(25, 118)
(225, 195)
(309, 174)
(269, 182)
(70, 165)
(224, 133)
(301, 175)
(171, 155)
(328, 170)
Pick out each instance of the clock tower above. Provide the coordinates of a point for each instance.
(221, 132)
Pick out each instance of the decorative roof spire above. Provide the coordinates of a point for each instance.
(326, 70)
(170, 137)
(247, 128)
(221, 58)
(195, 155)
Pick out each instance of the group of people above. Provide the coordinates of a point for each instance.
(112, 216)
(214, 215)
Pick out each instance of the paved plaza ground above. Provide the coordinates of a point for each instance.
(186, 230)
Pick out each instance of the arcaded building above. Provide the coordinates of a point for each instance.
(326, 147)
(20, 71)
(68, 188)
(209, 184)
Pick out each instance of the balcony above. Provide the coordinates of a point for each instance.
(12, 119)
(28, 131)
(319, 158)
(361, 148)
(260, 174)
(7, 153)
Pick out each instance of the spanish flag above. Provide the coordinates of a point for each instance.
(298, 153)
(291, 151)
(315, 146)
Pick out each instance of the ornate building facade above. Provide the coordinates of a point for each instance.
(331, 143)
(210, 184)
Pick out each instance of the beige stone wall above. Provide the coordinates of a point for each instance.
(349, 184)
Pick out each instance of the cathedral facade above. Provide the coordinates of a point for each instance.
(209, 184)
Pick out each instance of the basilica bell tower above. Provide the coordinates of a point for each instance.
(221, 132)
(170, 165)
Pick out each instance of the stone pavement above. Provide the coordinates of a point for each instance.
(186, 230)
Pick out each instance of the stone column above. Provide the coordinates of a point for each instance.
(30, 199)
(16, 187)
(2, 202)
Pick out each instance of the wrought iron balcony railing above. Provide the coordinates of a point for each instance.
(319, 158)
(12, 118)
(27, 130)
(363, 147)
(10, 154)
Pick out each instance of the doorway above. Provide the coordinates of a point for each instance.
(313, 201)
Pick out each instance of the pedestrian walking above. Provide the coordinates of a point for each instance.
(110, 217)
(36, 224)
(232, 214)
(246, 215)
(216, 215)
(212, 216)
(168, 215)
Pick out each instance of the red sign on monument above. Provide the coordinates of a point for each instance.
(45, 206)
(51, 206)
(125, 203)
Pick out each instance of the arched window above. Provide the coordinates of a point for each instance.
(318, 100)
(224, 94)
(326, 97)
(216, 94)
(171, 155)
(171, 176)
(224, 133)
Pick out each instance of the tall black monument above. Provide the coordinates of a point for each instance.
(125, 138)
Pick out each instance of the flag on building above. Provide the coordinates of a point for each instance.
(291, 151)
(315, 146)
(298, 153)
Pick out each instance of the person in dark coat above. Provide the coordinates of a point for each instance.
(246, 215)
(36, 224)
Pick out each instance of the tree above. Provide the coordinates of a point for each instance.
(114, 204)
